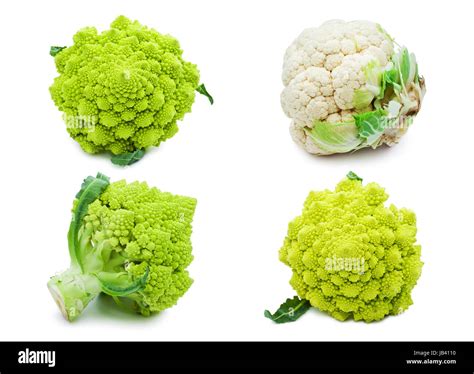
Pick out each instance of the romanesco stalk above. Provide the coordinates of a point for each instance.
(73, 291)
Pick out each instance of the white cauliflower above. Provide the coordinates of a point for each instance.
(348, 74)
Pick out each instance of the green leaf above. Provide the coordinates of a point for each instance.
(90, 180)
(335, 137)
(54, 50)
(390, 78)
(404, 65)
(417, 75)
(118, 284)
(371, 125)
(384, 83)
(203, 91)
(362, 98)
(126, 159)
(289, 311)
(373, 76)
(90, 190)
(413, 76)
(353, 176)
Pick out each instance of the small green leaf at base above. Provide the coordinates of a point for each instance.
(115, 285)
(203, 91)
(54, 50)
(353, 176)
(404, 65)
(289, 311)
(126, 159)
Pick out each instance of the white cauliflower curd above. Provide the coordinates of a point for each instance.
(348, 85)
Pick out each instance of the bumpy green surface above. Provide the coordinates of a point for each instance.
(353, 223)
(130, 82)
(151, 229)
(134, 242)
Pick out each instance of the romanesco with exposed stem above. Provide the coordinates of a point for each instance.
(129, 241)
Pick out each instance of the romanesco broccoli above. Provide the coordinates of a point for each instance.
(129, 241)
(351, 256)
(124, 89)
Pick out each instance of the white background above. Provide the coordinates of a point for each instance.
(238, 159)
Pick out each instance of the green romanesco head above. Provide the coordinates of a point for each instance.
(144, 228)
(123, 89)
(351, 256)
(131, 242)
